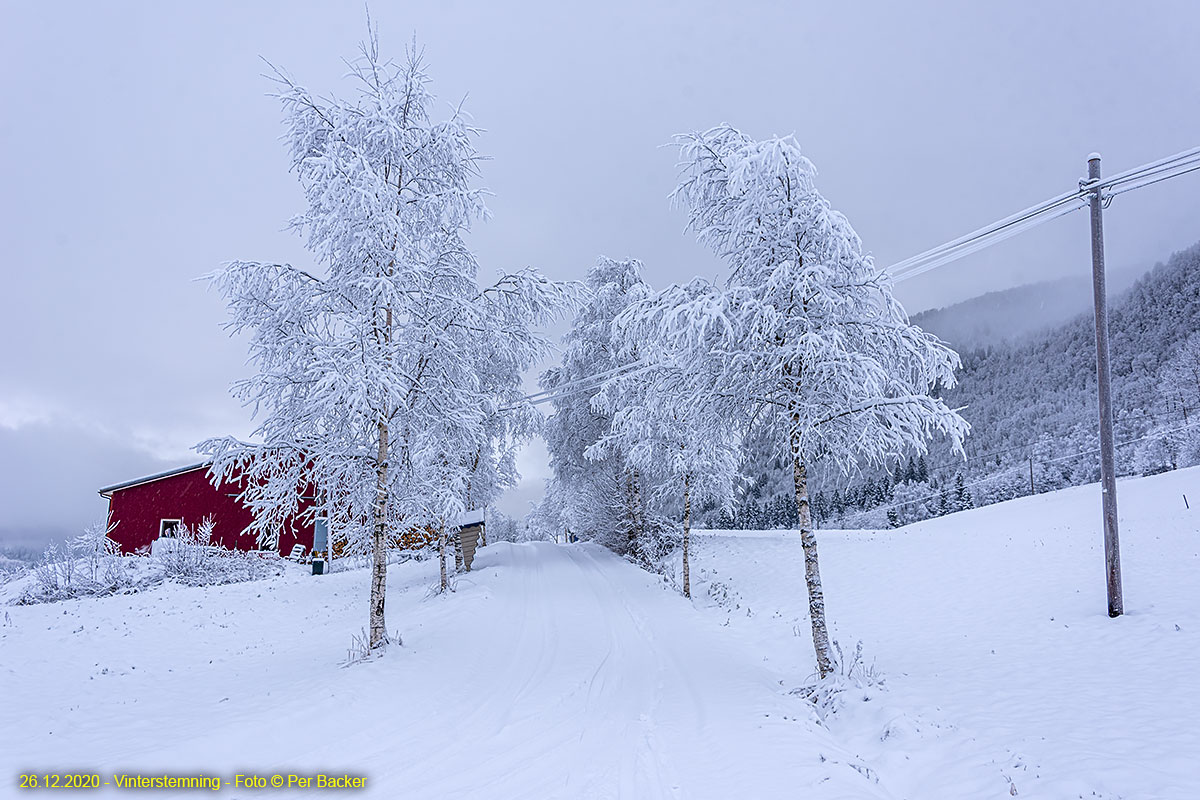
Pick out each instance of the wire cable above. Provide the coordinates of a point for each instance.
(1146, 175)
(1170, 167)
(596, 379)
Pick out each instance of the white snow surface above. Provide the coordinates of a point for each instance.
(561, 671)
(473, 517)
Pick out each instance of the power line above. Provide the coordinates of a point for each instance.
(581, 385)
(988, 234)
(1170, 162)
(990, 238)
(1192, 167)
(1148, 174)
(595, 380)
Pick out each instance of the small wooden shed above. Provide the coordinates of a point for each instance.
(468, 529)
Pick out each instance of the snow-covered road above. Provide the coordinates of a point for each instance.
(552, 671)
(591, 680)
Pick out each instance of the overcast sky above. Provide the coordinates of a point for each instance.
(139, 150)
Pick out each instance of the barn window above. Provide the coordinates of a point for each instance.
(168, 528)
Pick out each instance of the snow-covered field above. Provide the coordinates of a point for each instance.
(1000, 661)
(562, 671)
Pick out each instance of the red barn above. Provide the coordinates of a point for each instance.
(148, 508)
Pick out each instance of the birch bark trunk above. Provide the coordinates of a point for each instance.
(812, 571)
(639, 520)
(378, 628)
(687, 535)
(629, 497)
(442, 555)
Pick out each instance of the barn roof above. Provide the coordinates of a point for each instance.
(116, 487)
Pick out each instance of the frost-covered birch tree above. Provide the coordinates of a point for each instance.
(600, 498)
(669, 419)
(384, 375)
(813, 343)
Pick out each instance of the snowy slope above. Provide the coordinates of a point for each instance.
(562, 671)
(991, 628)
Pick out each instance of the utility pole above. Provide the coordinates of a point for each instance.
(1031, 492)
(1108, 478)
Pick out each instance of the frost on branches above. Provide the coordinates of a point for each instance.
(669, 421)
(815, 351)
(387, 381)
(601, 497)
(635, 441)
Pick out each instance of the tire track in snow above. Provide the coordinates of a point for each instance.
(644, 771)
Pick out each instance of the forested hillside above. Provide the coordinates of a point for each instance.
(1043, 390)
(1031, 403)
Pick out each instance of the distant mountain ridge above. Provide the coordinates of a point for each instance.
(1010, 315)
(1043, 387)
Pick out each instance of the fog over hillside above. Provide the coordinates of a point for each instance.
(1008, 315)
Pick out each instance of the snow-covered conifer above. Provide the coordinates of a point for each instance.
(962, 495)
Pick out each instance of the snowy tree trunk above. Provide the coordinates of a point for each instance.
(442, 555)
(812, 571)
(378, 631)
(639, 519)
(632, 522)
(687, 535)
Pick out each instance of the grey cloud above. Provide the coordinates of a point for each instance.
(139, 150)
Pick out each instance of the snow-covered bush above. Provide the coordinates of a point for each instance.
(501, 527)
(871, 519)
(186, 553)
(1159, 452)
(88, 565)
(653, 545)
(852, 678)
(1000, 487)
(91, 565)
(912, 501)
(1189, 447)
(192, 559)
